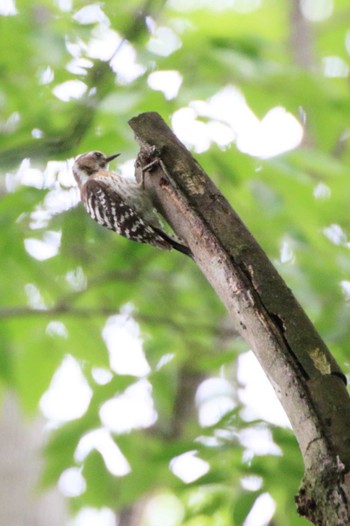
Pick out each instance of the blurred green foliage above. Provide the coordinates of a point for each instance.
(250, 48)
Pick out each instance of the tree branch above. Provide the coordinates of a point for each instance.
(62, 309)
(304, 374)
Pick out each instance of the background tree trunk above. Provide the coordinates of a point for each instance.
(21, 502)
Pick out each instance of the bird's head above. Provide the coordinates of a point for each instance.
(90, 163)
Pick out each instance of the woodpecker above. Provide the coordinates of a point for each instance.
(120, 204)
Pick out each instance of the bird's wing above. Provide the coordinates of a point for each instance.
(106, 207)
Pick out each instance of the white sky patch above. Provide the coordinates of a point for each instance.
(125, 65)
(345, 286)
(71, 89)
(277, 132)
(316, 10)
(39, 219)
(261, 512)
(220, 133)
(79, 66)
(59, 200)
(64, 5)
(8, 8)
(93, 517)
(164, 510)
(57, 328)
(286, 252)
(257, 392)
(168, 82)
(134, 409)
(335, 67)
(188, 467)
(11, 124)
(75, 48)
(37, 133)
(62, 171)
(322, 191)
(102, 441)
(164, 41)
(69, 394)
(127, 169)
(46, 75)
(91, 14)
(34, 297)
(164, 360)
(107, 45)
(64, 193)
(42, 249)
(72, 483)
(32, 177)
(101, 375)
(347, 41)
(77, 279)
(189, 130)
(122, 337)
(258, 441)
(242, 6)
(246, 6)
(336, 234)
(251, 482)
(104, 43)
(214, 398)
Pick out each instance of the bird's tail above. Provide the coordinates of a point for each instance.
(175, 242)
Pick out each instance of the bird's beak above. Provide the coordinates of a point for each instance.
(111, 157)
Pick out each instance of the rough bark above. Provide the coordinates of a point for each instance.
(304, 374)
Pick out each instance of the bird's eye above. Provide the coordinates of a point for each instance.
(98, 154)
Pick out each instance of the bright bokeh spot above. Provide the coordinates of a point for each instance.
(345, 287)
(133, 409)
(8, 8)
(241, 6)
(72, 482)
(214, 399)
(188, 467)
(46, 248)
(287, 254)
(168, 82)
(316, 10)
(91, 14)
(122, 337)
(69, 393)
(71, 89)
(335, 67)
(102, 441)
(258, 441)
(261, 512)
(164, 510)
(164, 41)
(336, 235)
(277, 132)
(257, 393)
(322, 191)
(65, 5)
(94, 517)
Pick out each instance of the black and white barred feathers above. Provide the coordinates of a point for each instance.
(120, 204)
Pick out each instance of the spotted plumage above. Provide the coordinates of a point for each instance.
(120, 204)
